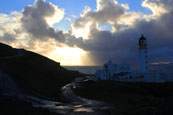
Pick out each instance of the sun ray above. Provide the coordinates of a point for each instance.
(67, 55)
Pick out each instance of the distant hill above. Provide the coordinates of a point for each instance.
(35, 73)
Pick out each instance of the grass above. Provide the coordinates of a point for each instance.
(35, 73)
(131, 98)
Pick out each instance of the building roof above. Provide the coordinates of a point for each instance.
(142, 37)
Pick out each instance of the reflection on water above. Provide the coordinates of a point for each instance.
(81, 107)
(65, 86)
(63, 108)
(83, 110)
(78, 106)
(70, 109)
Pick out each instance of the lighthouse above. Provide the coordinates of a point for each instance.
(142, 54)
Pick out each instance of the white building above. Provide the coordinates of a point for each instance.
(110, 70)
(124, 72)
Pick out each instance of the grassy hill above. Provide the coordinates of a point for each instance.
(35, 73)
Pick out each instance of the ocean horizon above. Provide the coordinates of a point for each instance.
(84, 69)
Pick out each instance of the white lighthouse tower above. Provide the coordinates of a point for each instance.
(142, 54)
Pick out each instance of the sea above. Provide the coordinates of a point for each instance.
(84, 69)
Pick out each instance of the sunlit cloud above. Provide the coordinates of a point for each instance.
(82, 32)
(10, 22)
(57, 17)
(156, 7)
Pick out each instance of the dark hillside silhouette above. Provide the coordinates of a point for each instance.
(36, 73)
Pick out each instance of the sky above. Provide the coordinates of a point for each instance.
(89, 32)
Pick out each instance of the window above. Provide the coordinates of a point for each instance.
(142, 42)
(106, 66)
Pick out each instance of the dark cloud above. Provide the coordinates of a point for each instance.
(118, 47)
(8, 38)
(34, 21)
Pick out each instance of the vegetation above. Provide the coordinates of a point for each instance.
(35, 73)
(131, 98)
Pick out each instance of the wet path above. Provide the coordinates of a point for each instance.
(76, 105)
(72, 105)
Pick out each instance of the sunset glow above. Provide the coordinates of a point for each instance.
(68, 56)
